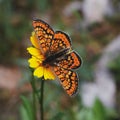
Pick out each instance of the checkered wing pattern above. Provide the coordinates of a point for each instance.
(44, 33)
(60, 41)
(70, 61)
(66, 75)
(68, 80)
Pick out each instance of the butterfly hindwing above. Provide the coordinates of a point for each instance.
(68, 80)
(70, 61)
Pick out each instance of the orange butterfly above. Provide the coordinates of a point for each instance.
(56, 47)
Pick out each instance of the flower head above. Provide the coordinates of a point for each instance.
(37, 59)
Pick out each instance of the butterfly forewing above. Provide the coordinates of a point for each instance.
(44, 33)
(60, 41)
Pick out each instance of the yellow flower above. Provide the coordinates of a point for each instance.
(37, 59)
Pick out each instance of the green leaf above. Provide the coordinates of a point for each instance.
(28, 108)
(99, 110)
(85, 114)
(23, 113)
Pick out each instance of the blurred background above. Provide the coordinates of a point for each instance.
(94, 27)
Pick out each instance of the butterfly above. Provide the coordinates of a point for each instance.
(57, 48)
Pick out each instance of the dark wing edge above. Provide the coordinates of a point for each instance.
(66, 35)
(78, 58)
(39, 20)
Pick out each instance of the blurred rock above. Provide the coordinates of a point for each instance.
(70, 8)
(93, 10)
(104, 86)
(9, 77)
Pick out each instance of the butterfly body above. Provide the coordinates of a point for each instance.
(58, 53)
(53, 58)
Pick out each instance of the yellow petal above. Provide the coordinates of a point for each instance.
(38, 72)
(34, 62)
(48, 74)
(34, 40)
(35, 52)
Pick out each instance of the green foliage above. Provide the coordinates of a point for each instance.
(115, 68)
(96, 112)
(23, 113)
(26, 109)
(99, 110)
(42, 5)
(13, 27)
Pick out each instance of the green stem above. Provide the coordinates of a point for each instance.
(41, 100)
(34, 96)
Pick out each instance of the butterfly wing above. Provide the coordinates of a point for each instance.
(60, 41)
(44, 33)
(49, 40)
(63, 69)
(64, 65)
(68, 80)
(70, 61)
